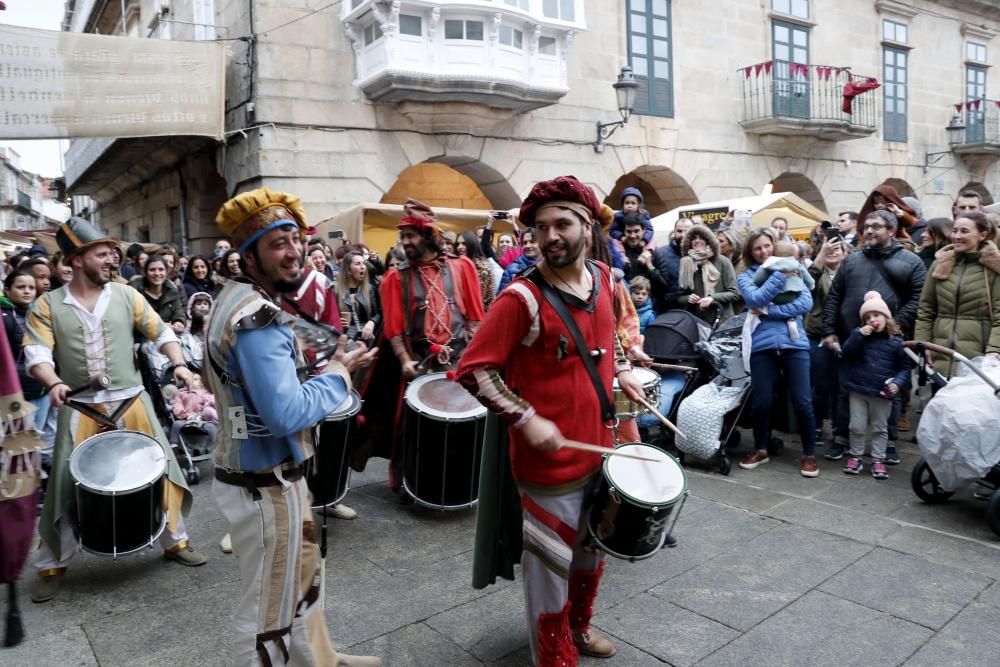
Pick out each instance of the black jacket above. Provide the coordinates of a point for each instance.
(897, 274)
(872, 360)
(666, 268)
(30, 387)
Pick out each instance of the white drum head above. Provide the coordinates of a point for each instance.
(646, 376)
(660, 483)
(442, 399)
(118, 462)
(349, 407)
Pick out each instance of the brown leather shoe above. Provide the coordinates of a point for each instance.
(809, 467)
(754, 459)
(594, 644)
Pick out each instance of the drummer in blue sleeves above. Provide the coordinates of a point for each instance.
(80, 331)
(265, 436)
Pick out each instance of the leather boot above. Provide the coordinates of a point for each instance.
(582, 593)
(554, 647)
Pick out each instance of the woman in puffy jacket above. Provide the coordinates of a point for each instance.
(706, 277)
(161, 293)
(960, 303)
(778, 346)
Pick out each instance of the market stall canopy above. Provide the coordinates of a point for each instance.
(375, 224)
(801, 215)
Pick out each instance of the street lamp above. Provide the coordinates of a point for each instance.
(625, 90)
(956, 136)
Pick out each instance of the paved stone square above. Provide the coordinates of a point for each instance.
(771, 569)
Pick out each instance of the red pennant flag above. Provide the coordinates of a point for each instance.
(968, 105)
(746, 71)
(998, 104)
(979, 104)
(758, 67)
(767, 67)
(958, 108)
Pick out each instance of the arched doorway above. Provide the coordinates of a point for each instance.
(662, 189)
(981, 189)
(901, 187)
(437, 185)
(801, 185)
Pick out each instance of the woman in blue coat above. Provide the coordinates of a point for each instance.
(778, 346)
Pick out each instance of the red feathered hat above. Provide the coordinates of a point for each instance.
(418, 214)
(565, 191)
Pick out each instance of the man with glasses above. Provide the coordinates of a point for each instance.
(897, 274)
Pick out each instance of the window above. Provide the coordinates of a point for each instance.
(520, 4)
(894, 94)
(975, 115)
(791, 87)
(893, 31)
(373, 33)
(559, 9)
(975, 51)
(797, 8)
(547, 46)
(649, 56)
(410, 25)
(469, 30)
(511, 37)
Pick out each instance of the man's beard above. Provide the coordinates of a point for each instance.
(95, 276)
(573, 252)
(414, 251)
(287, 286)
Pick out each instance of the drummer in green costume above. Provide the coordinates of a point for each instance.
(85, 329)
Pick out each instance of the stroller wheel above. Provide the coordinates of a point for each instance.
(725, 464)
(193, 476)
(993, 512)
(926, 485)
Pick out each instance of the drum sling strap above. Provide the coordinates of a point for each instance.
(558, 305)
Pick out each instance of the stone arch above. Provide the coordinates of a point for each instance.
(902, 187)
(981, 189)
(801, 185)
(437, 185)
(491, 182)
(662, 188)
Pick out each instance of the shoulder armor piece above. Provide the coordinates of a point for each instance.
(255, 315)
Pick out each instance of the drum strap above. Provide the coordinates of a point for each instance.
(558, 305)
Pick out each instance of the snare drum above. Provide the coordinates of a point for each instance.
(633, 502)
(625, 408)
(119, 478)
(443, 443)
(328, 472)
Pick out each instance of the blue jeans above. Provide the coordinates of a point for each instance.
(765, 367)
(825, 381)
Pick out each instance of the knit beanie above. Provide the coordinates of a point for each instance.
(874, 303)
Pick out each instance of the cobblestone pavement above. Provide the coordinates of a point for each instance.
(771, 569)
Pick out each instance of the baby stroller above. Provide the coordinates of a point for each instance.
(710, 414)
(959, 431)
(672, 339)
(192, 439)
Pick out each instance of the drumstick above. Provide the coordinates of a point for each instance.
(656, 413)
(584, 447)
(672, 367)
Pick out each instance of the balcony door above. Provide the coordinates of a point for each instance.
(975, 90)
(790, 46)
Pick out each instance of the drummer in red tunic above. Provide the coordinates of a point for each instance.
(431, 305)
(547, 397)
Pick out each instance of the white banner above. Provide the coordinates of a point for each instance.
(58, 85)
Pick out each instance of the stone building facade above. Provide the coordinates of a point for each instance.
(344, 105)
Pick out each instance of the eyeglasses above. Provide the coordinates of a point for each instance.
(874, 226)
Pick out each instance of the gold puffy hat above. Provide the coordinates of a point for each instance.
(248, 216)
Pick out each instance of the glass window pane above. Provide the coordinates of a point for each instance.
(453, 29)
(888, 57)
(901, 75)
(782, 6)
(638, 23)
(901, 106)
(518, 39)
(800, 37)
(887, 30)
(506, 35)
(901, 33)
(781, 34)
(660, 28)
(567, 10)
(638, 45)
(660, 48)
(781, 52)
(660, 7)
(547, 46)
(661, 69)
(550, 8)
(800, 56)
(639, 67)
(890, 89)
(800, 8)
(474, 30)
(410, 25)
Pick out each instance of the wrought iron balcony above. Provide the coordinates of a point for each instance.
(982, 128)
(806, 100)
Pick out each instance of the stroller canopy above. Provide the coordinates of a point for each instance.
(674, 335)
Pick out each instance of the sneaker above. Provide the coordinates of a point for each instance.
(341, 511)
(186, 555)
(226, 543)
(46, 587)
(670, 541)
(853, 466)
(891, 455)
(903, 424)
(753, 459)
(879, 471)
(808, 468)
(836, 452)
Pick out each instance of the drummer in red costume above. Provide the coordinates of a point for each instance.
(547, 397)
(431, 303)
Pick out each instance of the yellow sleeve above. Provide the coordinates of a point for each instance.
(147, 321)
(39, 324)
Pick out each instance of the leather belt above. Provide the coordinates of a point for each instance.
(255, 480)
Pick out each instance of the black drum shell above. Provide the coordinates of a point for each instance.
(625, 529)
(113, 525)
(328, 472)
(441, 459)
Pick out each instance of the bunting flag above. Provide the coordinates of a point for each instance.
(958, 108)
(746, 71)
(997, 103)
(758, 67)
(973, 104)
(767, 67)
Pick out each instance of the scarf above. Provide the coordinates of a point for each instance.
(709, 274)
(989, 257)
(485, 271)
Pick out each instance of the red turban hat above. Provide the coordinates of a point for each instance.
(564, 191)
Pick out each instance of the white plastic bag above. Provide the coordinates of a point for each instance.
(959, 432)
